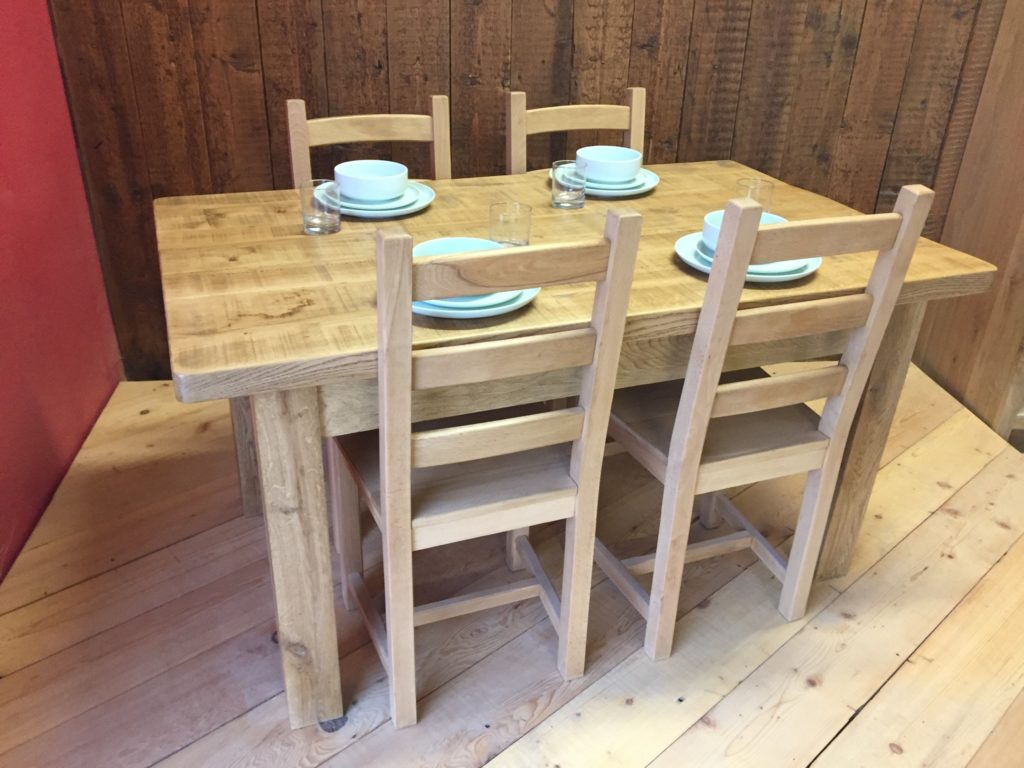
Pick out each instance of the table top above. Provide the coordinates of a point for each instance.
(254, 305)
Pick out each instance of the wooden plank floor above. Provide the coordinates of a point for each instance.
(136, 628)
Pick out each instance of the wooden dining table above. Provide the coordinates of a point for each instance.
(284, 326)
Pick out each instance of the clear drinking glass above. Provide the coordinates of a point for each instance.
(759, 190)
(510, 223)
(318, 216)
(567, 183)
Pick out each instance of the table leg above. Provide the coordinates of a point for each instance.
(867, 439)
(287, 429)
(245, 454)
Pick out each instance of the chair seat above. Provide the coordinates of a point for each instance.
(738, 449)
(462, 501)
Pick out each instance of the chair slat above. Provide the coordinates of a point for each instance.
(470, 442)
(825, 237)
(576, 117)
(777, 391)
(789, 321)
(350, 128)
(508, 269)
(490, 360)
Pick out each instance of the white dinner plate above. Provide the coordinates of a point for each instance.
(646, 181)
(328, 195)
(689, 254)
(431, 309)
(424, 197)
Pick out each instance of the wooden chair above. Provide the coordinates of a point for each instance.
(703, 435)
(434, 128)
(436, 485)
(523, 122)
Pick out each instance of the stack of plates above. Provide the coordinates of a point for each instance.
(468, 307)
(644, 182)
(416, 197)
(692, 251)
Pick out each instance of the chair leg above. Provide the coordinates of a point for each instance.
(512, 557)
(398, 610)
(673, 536)
(577, 571)
(343, 508)
(807, 540)
(707, 510)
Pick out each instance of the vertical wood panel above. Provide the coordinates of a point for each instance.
(292, 45)
(97, 72)
(163, 60)
(717, 46)
(883, 53)
(481, 73)
(419, 65)
(828, 48)
(972, 77)
(602, 34)
(940, 42)
(657, 62)
(541, 57)
(771, 68)
(356, 53)
(230, 73)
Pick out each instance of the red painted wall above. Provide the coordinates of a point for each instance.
(58, 356)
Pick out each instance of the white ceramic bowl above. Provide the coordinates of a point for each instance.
(371, 181)
(608, 165)
(713, 225)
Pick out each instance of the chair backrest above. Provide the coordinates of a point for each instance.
(523, 122)
(866, 315)
(606, 261)
(434, 128)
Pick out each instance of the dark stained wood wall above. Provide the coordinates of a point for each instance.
(850, 98)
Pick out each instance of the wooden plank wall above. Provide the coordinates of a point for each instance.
(851, 98)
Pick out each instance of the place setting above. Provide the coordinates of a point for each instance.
(602, 172)
(365, 189)
(697, 249)
(509, 227)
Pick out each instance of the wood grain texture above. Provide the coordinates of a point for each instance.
(253, 305)
(828, 48)
(541, 56)
(879, 70)
(481, 73)
(936, 58)
(163, 57)
(356, 47)
(657, 62)
(93, 48)
(419, 65)
(976, 348)
(230, 74)
(771, 71)
(292, 46)
(972, 78)
(290, 458)
(602, 34)
(717, 46)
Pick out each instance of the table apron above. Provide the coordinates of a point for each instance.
(351, 406)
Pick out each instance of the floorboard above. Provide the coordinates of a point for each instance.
(136, 628)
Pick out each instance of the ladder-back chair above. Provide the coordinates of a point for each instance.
(703, 434)
(434, 128)
(523, 122)
(430, 486)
